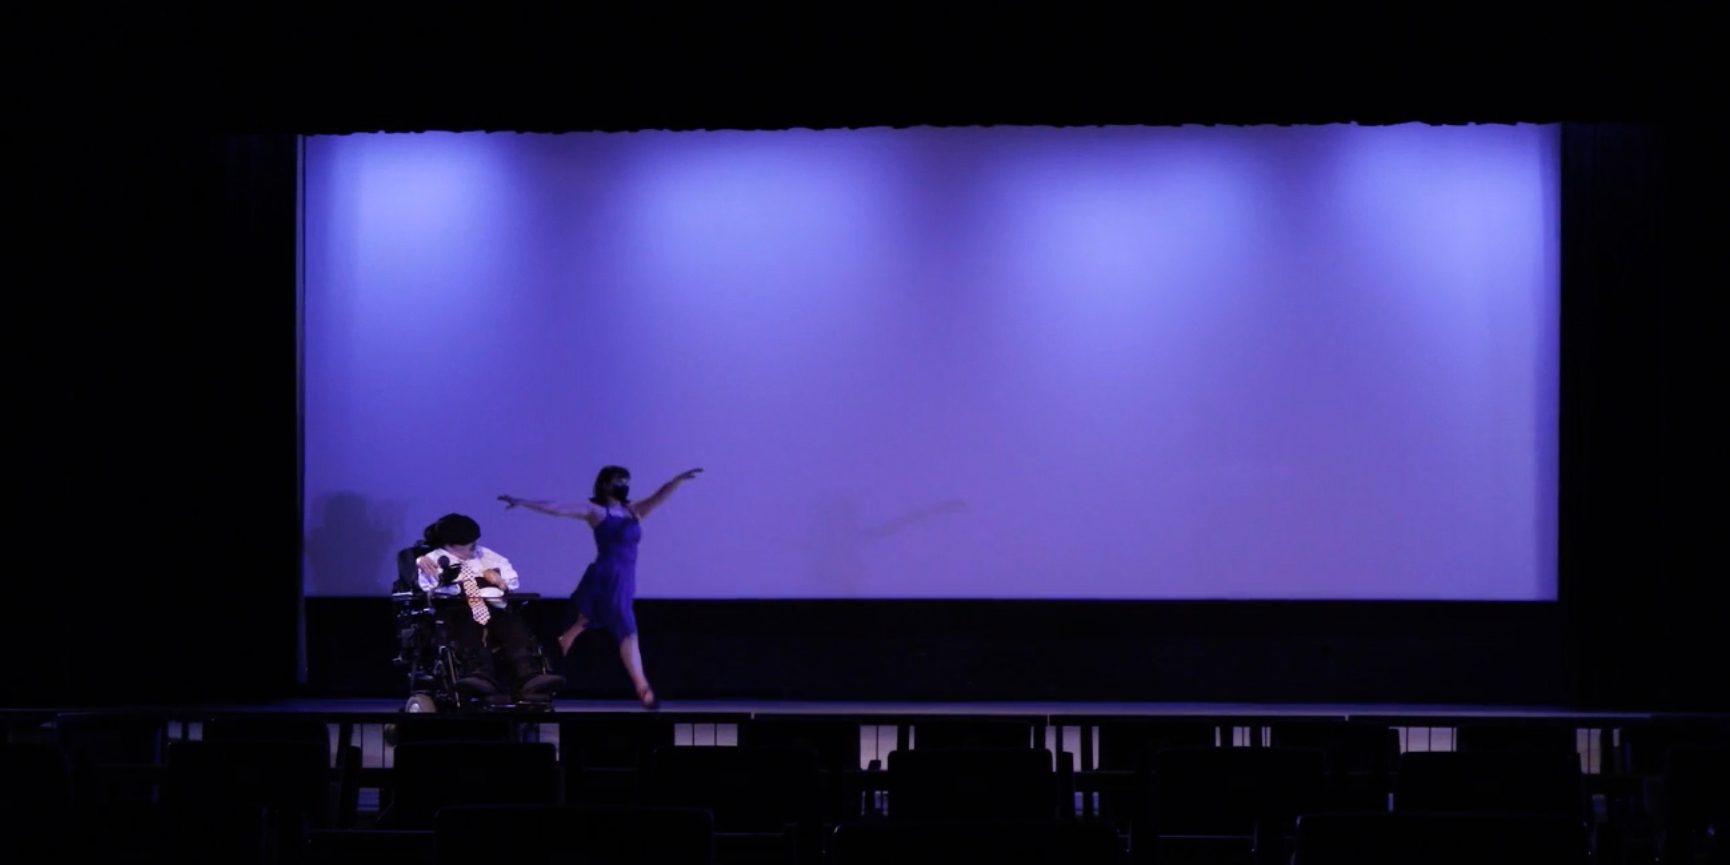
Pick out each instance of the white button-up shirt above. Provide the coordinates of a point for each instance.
(484, 559)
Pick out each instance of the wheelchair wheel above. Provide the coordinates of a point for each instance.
(420, 703)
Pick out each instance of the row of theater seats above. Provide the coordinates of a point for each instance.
(275, 788)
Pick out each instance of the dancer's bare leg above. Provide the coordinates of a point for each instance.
(634, 666)
(571, 633)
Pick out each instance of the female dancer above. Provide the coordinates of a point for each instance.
(604, 596)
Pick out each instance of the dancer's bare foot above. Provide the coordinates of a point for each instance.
(646, 696)
(566, 640)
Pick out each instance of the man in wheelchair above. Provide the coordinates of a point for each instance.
(467, 585)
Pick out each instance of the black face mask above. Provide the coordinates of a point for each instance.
(622, 492)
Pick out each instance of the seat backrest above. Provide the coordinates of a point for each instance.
(266, 728)
(611, 742)
(1038, 842)
(1421, 839)
(1697, 789)
(110, 738)
(949, 734)
(1504, 738)
(416, 729)
(1645, 746)
(627, 835)
(1132, 744)
(836, 743)
(999, 784)
(433, 775)
(1512, 781)
(407, 578)
(37, 777)
(286, 774)
(1231, 791)
(1369, 748)
(748, 789)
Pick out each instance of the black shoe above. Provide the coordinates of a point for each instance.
(477, 686)
(541, 687)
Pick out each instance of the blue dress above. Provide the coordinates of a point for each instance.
(609, 586)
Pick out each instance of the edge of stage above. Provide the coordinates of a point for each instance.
(728, 711)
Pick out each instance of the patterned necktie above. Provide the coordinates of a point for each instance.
(477, 607)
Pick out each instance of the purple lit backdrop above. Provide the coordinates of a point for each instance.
(990, 363)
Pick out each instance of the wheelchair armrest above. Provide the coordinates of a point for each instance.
(411, 604)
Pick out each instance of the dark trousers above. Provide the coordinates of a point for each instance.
(507, 632)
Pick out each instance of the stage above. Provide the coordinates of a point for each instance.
(713, 711)
(1073, 727)
(1100, 745)
(1046, 712)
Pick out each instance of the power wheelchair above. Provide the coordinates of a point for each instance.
(428, 656)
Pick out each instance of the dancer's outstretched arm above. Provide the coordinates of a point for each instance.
(585, 511)
(643, 507)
